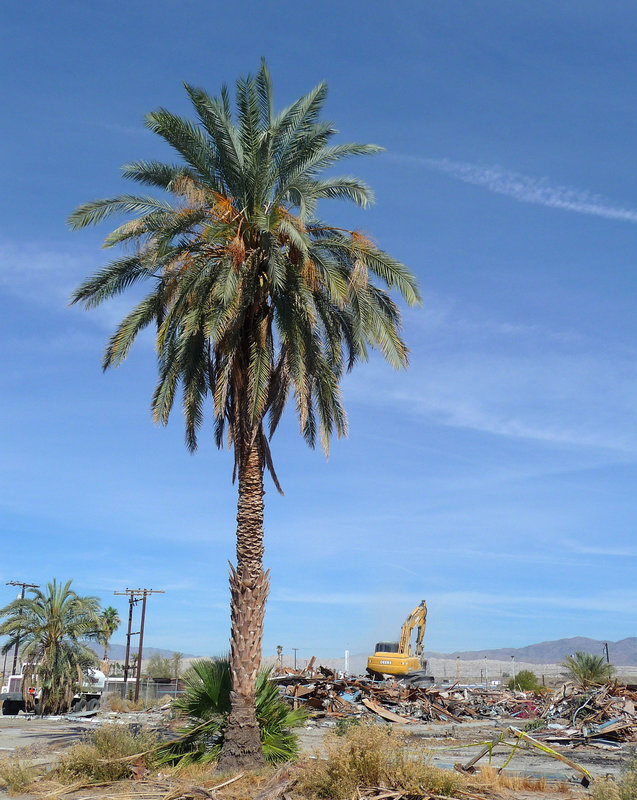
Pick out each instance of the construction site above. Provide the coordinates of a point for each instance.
(559, 738)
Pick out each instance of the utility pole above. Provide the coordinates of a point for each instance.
(458, 668)
(513, 664)
(295, 649)
(17, 644)
(606, 649)
(134, 596)
(132, 600)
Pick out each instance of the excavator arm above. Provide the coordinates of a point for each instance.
(418, 620)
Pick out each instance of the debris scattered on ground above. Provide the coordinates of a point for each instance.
(520, 737)
(600, 715)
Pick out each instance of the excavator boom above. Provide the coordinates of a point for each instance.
(417, 619)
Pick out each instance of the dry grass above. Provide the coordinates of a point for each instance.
(373, 756)
(114, 702)
(102, 755)
(489, 778)
(16, 774)
(605, 789)
(246, 787)
(623, 789)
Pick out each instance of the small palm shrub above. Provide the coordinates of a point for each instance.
(206, 703)
(586, 669)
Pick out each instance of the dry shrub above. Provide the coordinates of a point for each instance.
(16, 774)
(99, 756)
(115, 702)
(373, 756)
(605, 789)
(623, 789)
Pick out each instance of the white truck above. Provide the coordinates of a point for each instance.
(87, 698)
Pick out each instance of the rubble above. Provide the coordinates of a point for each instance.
(601, 715)
(327, 694)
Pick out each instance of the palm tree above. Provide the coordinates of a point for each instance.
(586, 668)
(177, 659)
(253, 298)
(110, 623)
(53, 626)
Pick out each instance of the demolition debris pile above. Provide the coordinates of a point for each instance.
(600, 716)
(570, 715)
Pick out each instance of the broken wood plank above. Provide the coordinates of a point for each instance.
(385, 713)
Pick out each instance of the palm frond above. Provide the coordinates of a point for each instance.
(98, 210)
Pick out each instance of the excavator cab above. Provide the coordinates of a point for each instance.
(386, 647)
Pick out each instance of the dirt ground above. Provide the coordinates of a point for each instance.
(41, 741)
(448, 744)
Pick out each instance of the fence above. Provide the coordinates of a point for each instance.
(149, 689)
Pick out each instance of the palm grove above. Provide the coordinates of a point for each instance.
(253, 299)
(53, 629)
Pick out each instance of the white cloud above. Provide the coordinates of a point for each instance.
(510, 379)
(37, 273)
(616, 602)
(597, 550)
(45, 277)
(526, 188)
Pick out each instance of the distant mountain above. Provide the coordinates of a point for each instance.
(117, 652)
(622, 653)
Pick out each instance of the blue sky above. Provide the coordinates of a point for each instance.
(496, 478)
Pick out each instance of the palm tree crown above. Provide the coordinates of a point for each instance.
(110, 623)
(52, 626)
(252, 294)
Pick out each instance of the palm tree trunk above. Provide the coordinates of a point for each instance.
(248, 592)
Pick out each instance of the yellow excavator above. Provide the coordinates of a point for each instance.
(400, 658)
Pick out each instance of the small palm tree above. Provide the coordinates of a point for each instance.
(587, 669)
(253, 298)
(206, 703)
(110, 623)
(53, 626)
(177, 659)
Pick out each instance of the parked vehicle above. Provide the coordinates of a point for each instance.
(13, 696)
